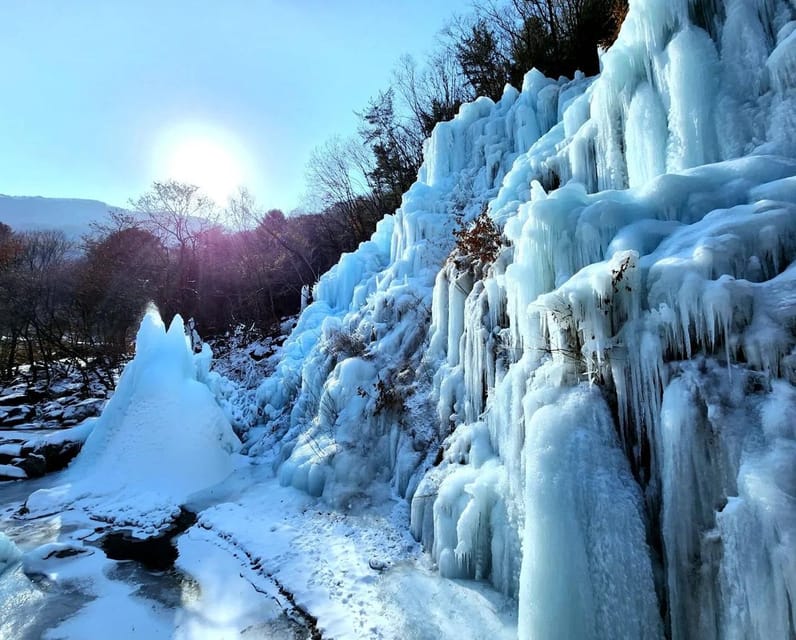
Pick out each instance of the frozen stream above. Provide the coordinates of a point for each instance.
(33, 605)
(263, 561)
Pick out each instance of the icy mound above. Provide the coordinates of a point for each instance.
(683, 318)
(336, 430)
(160, 438)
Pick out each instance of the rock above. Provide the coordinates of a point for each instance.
(36, 394)
(377, 565)
(10, 472)
(76, 413)
(13, 399)
(16, 414)
(44, 560)
(64, 388)
(10, 449)
(57, 456)
(157, 553)
(52, 411)
(34, 465)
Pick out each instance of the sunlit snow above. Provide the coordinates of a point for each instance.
(599, 397)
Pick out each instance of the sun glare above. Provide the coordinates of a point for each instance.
(207, 158)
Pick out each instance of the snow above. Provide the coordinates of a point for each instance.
(10, 449)
(262, 561)
(324, 559)
(10, 471)
(9, 553)
(114, 609)
(566, 391)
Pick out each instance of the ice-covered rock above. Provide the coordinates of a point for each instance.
(9, 553)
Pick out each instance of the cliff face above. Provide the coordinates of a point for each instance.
(601, 421)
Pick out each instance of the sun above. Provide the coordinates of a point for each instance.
(203, 156)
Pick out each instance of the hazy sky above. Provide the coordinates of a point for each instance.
(101, 97)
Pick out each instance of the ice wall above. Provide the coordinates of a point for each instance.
(342, 407)
(589, 423)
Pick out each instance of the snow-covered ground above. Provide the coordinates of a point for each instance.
(263, 561)
(359, 572)
(583, 421)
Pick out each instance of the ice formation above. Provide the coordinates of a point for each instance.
(161, 437)
(602, 422)
(9, 553)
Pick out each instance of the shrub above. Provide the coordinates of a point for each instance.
(344, 343)
(478, 244)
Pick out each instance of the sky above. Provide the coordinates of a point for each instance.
(102, 97)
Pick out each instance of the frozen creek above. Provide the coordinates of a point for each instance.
(259, 559)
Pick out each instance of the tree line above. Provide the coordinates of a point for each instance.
(76, 305)
(477, 54)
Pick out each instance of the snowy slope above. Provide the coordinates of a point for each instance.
(603, 424)
(72, 216)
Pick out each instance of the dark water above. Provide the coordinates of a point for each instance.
(31, 606)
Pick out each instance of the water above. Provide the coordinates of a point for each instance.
(31, 605)
(87, 595)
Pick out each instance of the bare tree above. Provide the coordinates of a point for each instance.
(34, 297)
(179, 215)
(337, 177)
(176, 212)
(431, 93)
(272, 224)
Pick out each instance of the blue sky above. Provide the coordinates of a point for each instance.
(101, 97)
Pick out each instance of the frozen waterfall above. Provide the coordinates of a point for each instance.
(602, 421)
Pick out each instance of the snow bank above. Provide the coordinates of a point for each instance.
(160, 438)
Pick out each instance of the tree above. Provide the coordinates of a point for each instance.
(178, 214)
(117, 277)
(396, 146)
(337, 183)
(432, 93)
(35, 293)
(485, 66)
(277, 255)
(558, 37)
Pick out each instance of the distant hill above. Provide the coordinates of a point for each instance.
(72, 216)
